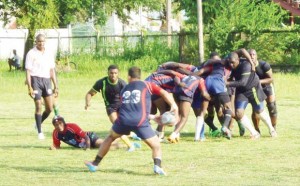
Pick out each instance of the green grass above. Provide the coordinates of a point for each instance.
(24, 160)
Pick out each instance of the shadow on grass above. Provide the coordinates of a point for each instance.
(58, 169)
(24, 146)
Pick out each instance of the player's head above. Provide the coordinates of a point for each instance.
(40, 41)
(214, 55)
(233, 60)
(253, 55)
(113, 73)
(134, 73)
(59, 123)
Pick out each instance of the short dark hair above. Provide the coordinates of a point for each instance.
(233, 56)
(134, 72)
(111, 67)
(213, 54)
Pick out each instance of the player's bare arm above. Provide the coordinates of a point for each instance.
(88, 98)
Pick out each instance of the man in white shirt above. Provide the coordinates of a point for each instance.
(40, 71)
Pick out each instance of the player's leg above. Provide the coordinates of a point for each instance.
(113, 115)
(151, 139)
(209, 118)
(184, 110)
(48, 101)
(257, 103)
(162, 106)
(104, 148)
(271, 104)
(224, 100)
(255, 120)
(241, 102)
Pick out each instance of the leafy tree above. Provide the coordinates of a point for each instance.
(232, 24)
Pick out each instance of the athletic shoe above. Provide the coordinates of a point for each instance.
(273, 134)
(90, 166)
(173, 138)
(158, 170)
(241, 128)
(226, 132)
(135, 137)
(215, 133)
(41, 136)
(134, 146)
(255, 136)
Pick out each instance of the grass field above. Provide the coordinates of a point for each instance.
(24, 160)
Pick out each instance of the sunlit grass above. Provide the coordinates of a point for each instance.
(25, 160)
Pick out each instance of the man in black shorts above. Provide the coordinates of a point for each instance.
(248, 89)
(110, 88)
(40, 71)
(264, 72)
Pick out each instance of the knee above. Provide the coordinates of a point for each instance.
(239, 115)
(272, 108)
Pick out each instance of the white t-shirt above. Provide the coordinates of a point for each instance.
(39, 63)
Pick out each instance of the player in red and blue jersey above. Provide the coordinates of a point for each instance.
(186, 94)
(133, 116)
(166, 80)
(72, 134)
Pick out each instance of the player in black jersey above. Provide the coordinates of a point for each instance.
(264, 72)
(248, 89)
(110, 88)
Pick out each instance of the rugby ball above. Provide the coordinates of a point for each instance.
(168, 118)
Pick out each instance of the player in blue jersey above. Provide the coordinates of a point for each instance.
(133, 116)
(72, 134)
(248, 89)
(217, 74)
(264, 72)
(110, 88)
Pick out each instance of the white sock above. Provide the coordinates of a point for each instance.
(247, 124)
(198, 126)
(267, 120)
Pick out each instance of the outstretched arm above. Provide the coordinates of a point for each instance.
(88, 98)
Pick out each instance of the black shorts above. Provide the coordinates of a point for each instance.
(93, 138)
(222, 98)
(269, 90)
(178, 98)
(42, 87)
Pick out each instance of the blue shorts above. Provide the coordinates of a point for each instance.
(197, 100)
(215, 85)
(143, 131)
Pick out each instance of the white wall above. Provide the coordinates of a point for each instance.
(12, 39)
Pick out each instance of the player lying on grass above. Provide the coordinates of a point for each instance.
(72, 134)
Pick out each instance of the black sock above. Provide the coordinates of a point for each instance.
(209, 120)
(97, 160)
(38, 122)
(157, 162)
(45, 116)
